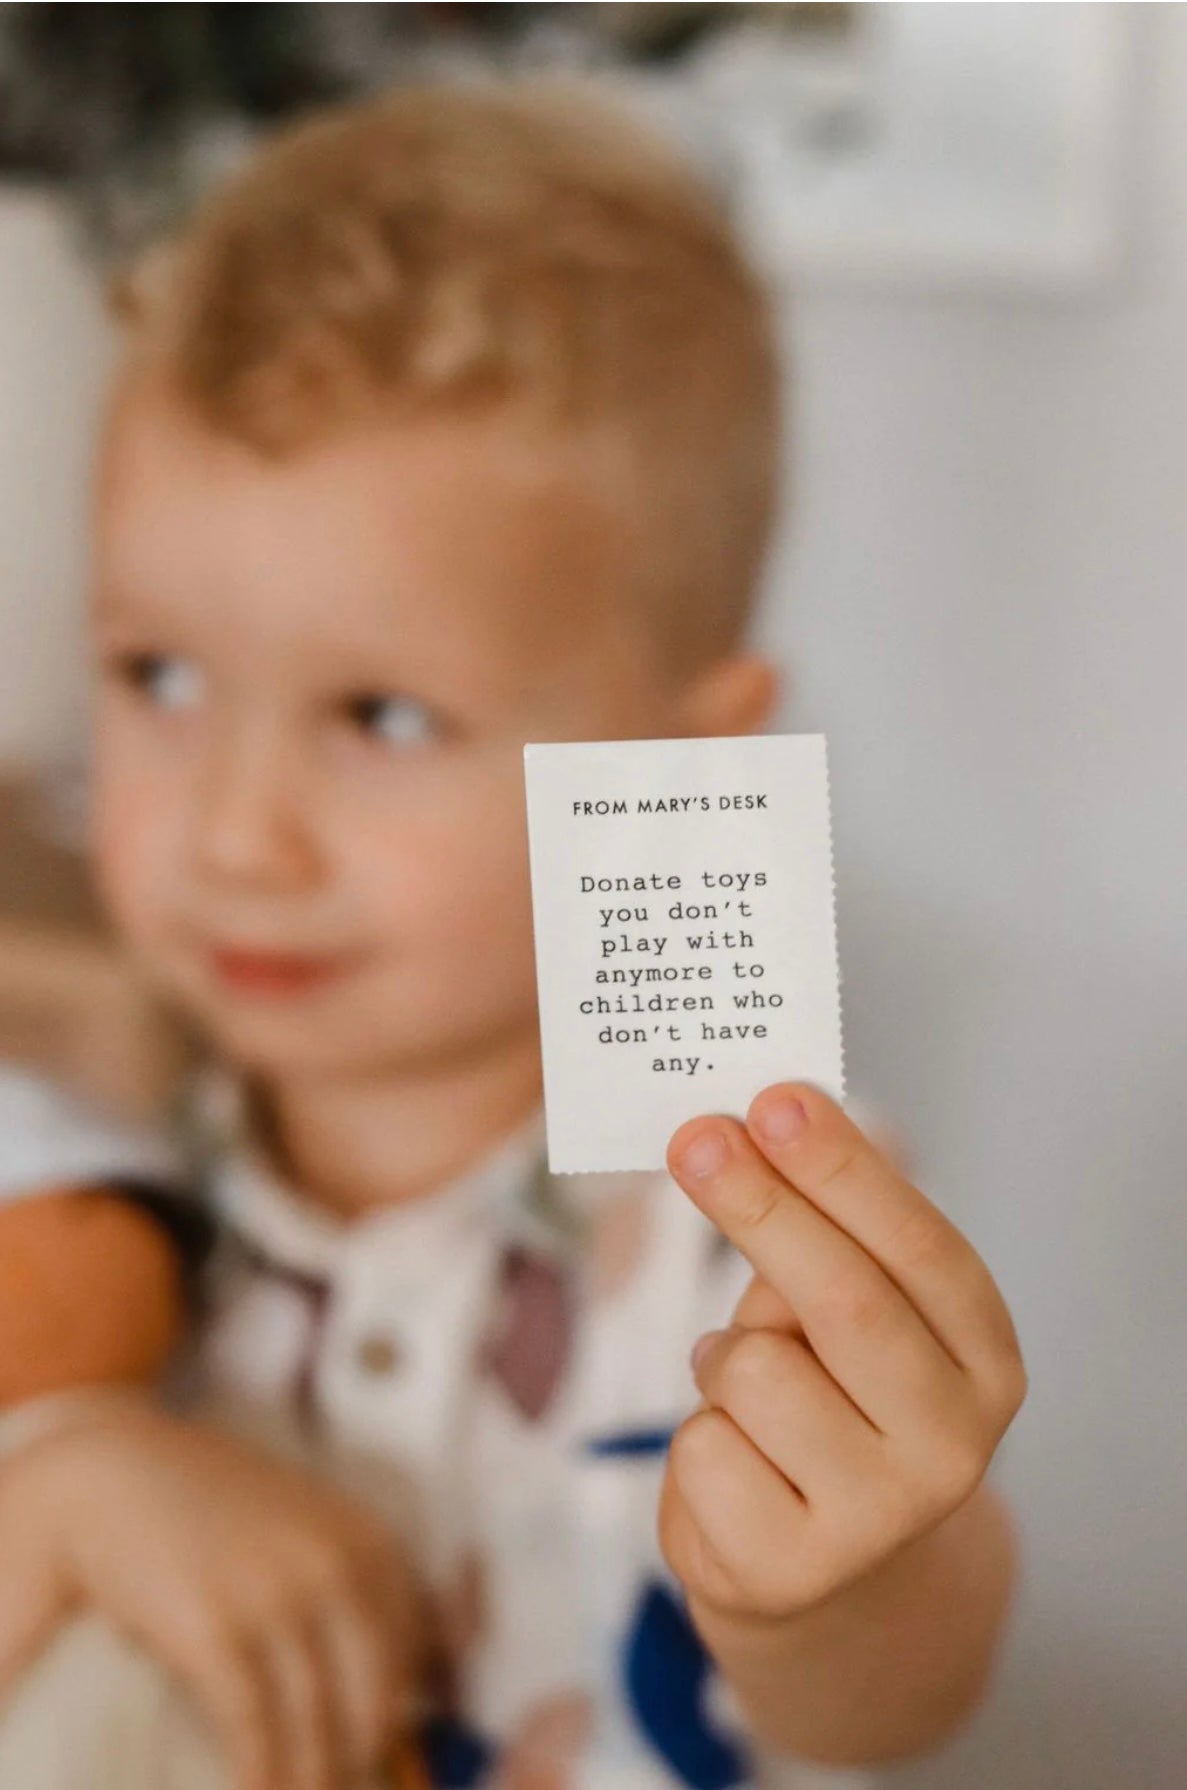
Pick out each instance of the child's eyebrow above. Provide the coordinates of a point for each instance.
(109, 609)
(115, 617)
(115, 601)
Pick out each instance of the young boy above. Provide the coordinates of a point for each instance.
(451, 424)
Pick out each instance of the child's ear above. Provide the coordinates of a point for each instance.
(731, 696)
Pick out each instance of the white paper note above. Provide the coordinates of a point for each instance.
(685, 940)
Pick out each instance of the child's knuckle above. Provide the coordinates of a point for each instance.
(1008, 1385)
(757, 1200)
(719, 1580)
(840, 1164)
(881, 1513)
(693, 1450)
(755, 1358)
(923, 1245)
(958, 1459)
(800, 1582)
(695, 1564)
(778, 1574)
(751, 1578)
(851, 1303)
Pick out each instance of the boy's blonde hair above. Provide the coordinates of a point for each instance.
(518, 245)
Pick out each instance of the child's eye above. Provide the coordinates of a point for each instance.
(168, 683)
(394, 720)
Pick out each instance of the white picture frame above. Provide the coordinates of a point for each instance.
(926, 146)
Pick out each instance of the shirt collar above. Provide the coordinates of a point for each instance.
(498, 1192)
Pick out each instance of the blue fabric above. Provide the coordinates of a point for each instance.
(667, 1672)
(629, 1444)
(455, 1755)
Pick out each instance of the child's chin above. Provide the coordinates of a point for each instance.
(279, 1047)
(280, 1043)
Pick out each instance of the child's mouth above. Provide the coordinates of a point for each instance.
(273, 975)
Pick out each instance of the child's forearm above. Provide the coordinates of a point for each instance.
(887, 1668)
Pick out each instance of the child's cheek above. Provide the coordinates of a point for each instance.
(485, 890)
(480, 848)
(455, 869)
(118, 860)
(129, 843)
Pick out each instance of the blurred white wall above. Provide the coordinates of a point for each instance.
(981, 603)
(53, 354)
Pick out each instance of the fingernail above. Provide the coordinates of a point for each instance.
(779, 1118)
(702, 1348)
(704, 1155)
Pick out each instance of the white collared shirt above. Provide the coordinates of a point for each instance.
(498, 1366)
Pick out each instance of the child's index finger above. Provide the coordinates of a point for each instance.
(859, 1323)
(737, 1188)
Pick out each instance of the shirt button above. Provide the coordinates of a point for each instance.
(377, 1354)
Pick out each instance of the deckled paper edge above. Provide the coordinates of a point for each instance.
(555, 1168)
(832, 905)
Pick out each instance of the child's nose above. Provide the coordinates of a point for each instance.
(249, 827)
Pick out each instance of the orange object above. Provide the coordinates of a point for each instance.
(407, 1770)
(90, 1293)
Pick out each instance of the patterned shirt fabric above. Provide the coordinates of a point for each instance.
(499, 1368)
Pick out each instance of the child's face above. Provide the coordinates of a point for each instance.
(317, 675)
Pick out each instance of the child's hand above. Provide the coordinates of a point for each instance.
(285, 1610)
(867, 1377)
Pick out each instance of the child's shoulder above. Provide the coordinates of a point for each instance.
(50, 1138)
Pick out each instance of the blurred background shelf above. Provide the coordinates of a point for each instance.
(905, 143)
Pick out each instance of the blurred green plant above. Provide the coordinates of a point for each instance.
(134, 109)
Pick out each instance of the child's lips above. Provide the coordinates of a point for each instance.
(273, 975)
